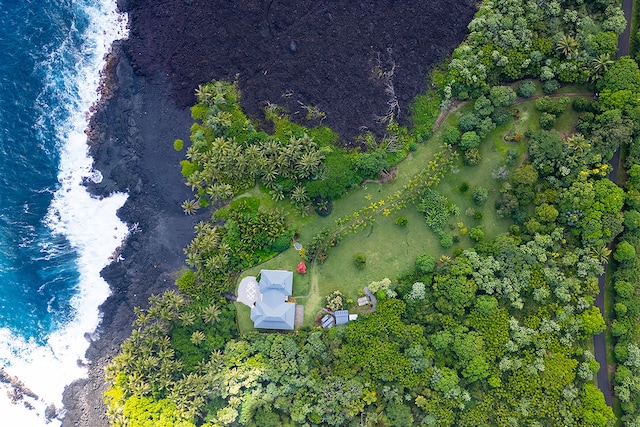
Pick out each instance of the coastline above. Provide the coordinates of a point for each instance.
(131, 141)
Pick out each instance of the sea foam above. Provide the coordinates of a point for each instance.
(90, 225)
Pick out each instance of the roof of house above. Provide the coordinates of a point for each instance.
(272, 311)
(342, 316)
(327, 321)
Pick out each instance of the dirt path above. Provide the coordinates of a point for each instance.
(313, 300)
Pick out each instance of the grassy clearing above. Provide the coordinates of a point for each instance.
(245, 324)
(391, 249)
(383, 260)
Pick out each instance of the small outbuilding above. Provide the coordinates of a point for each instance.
(342, 316)
(327, 321)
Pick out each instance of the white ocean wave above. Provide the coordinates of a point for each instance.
(90, 225)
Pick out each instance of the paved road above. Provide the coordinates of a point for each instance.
(623, 40)
(599, 343)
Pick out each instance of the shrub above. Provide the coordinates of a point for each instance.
(501, 115)
(550, 86)
(339, 176)
(469, 140)
(500, 173)
(477, 215)
(480, 195)
(526, 89)
(425, 263)
(281, 243)
(369, 165)
(585, 122)
(335, 301)
(547, 121)
(382, 288)
(543, 104)
(482, 106)
(401, 221)
(472, 156)
(512, 156)
(178, 144)
(418, 292)
(624, 252)
(486, 304)
(451, 135)
(468, 122)
(187, 281)
(624, 290)
(485, 126)
(323, 207)
(580, 105)
(552, 106)
(631, 219)
(501, 96)
(446, 241)
(476, 233)
(464, 187)
(360, 260)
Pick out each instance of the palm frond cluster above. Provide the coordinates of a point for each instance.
(228, 155)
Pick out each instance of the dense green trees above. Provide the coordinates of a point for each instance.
(517, 39)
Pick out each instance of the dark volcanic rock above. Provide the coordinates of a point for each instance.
(299, 52)
(131, 139)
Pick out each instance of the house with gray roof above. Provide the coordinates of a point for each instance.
(272, 309)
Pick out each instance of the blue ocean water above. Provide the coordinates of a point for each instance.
(52, 239)
(41, 43)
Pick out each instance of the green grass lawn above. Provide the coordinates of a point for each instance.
(390, 249)
(245, 324)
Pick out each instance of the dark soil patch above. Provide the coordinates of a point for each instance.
(296, 53)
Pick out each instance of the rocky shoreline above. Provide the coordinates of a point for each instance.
(131, 140)
(296, 53)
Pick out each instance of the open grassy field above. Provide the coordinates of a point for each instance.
(391, 249)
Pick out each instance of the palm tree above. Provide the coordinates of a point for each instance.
(194, 180)
(567, 45)
(189, 207)
(210, 314)
(276, 193)
(269, 173)
(299, 195)
(601, 254)
(197, 337)
(219, 191)
(599, 66)
(309, 163)
(206, 94)
(187, 318)
(221, 146)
